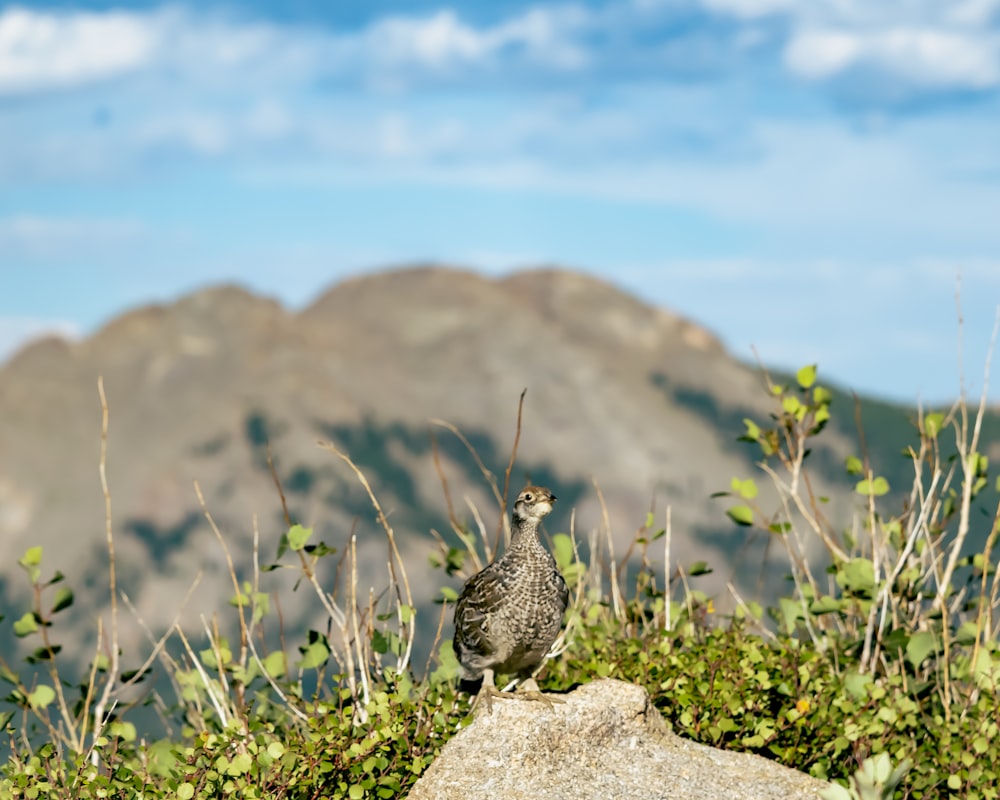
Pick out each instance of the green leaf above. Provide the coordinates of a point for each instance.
(240, 765)
(984, 670)
(25, 626)
(32, 557)
(449, 594)
(135, 676)
(857, 685)
(967, 633)
(741, 515)
(405, 613)
(791, 612)
(63, 599)
(298, 536)
(921, 645)
(753, 430)
(30, 562)
(746, 489)
(210, 656)
(824, 605)
(896, 639)
(316, 652)
(322, 549)
(275, 749)
(185, 791)
(878, 766)
(806, 376)
(933, 423)
(854, 465)
(791, 405)
(875, 487)
(699, 568)
(44, 653)
(562, 550)
(42, 696)
(275, 664)
(123, 730)
(857, 576)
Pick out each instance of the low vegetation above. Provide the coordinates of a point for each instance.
(878, 670)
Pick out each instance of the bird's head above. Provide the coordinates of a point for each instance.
(534, 502)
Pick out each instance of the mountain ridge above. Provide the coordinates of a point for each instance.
(624, 396)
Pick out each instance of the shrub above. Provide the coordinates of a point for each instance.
(883, 654)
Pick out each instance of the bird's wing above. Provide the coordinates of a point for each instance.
(480, 596)
(563, 590)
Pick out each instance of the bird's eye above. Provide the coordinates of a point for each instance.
(529, 496)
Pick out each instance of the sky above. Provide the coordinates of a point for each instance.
(813, 180)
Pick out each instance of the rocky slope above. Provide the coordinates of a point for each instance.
(633, 398)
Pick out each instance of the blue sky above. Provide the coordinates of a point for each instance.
(807, 177)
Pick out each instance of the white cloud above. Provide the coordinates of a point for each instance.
(442, 44)
(43, 50)
(924, 42)
(817, 54)
(437, 41)
(248, 91)
(48, 50)
(749, 9)
(925, 56)
(972, 12)
(928, 43)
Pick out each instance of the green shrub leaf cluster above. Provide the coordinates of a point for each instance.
(877, 671)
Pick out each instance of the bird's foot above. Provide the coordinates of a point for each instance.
(528, 690)
(548, 699)
(486, 695)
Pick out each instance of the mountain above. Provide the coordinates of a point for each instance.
(636, 400)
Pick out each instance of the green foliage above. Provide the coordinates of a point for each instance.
(875, 780)
(878, 671)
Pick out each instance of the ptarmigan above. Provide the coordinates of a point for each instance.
(510, 613)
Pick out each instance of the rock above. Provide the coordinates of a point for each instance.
(606, 741)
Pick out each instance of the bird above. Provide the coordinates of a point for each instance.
(510, 612)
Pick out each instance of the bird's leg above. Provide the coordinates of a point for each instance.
(488, 691)
(528, 690)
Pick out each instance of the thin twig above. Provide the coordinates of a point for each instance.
(616, 593)
(109, 684)
(487, 475)
(436, 457)
(206, 681)
(510, 466)
(969, 471)
(667, 536)
(395, 559)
